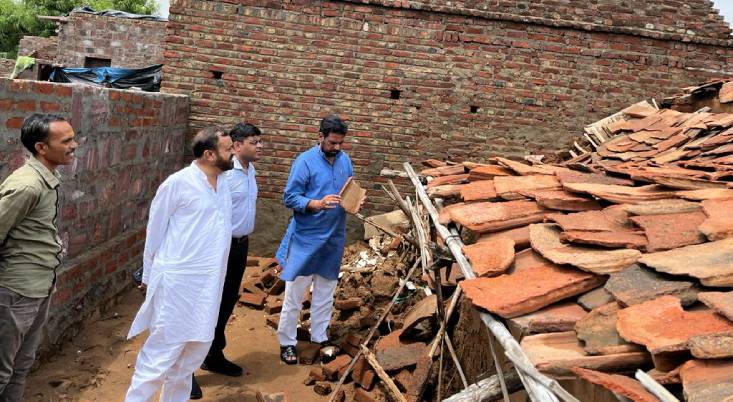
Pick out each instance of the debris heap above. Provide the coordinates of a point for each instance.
(619, 259)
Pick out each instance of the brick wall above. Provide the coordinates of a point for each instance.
(126, 42)
(6, 67)
(692, 18)
(128, 143)
(532, 86)
(44, 48)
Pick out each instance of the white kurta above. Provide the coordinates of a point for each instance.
(186, 249)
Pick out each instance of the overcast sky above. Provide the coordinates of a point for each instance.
(725, 7)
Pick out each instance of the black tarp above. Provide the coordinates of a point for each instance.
(118, 14)
(147, 79)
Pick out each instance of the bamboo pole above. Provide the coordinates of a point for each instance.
(539, 391)
(654, 387)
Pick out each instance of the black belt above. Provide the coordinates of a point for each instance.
(240, 240)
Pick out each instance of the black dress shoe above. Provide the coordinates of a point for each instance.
(221, 365)
(196, 392)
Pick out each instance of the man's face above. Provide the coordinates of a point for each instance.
(59, 147)
(249, 149)
(331, 143)
(224, 154)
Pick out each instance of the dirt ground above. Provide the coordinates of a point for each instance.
(98, 364)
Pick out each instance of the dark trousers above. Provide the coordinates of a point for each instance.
(21, 326)
(230, 294)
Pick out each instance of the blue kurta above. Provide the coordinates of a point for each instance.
(314, 241)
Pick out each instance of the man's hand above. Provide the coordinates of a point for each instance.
(328, 202)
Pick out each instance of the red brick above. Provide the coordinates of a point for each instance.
(50, 107)
(14, 122)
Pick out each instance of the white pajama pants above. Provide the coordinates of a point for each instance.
(321, 308)
(166, 365)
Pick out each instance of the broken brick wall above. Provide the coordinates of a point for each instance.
(128, 143)
(6, 67)
(126, 42)
(39, 47)
(466, 85)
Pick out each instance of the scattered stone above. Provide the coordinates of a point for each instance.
(559, 317)
(450, 179)
(419, 378)
(490, 259)
(519, 235)
(348, 304)
(712, 346)
(636, 285)
(598, 332)
(307, 352)
(255, 300)
(720, 302)
(362, 395)
(665, 232)
(446, 170)
(666, 377)
(662, 207)
(274, 306)
(525, 170)
(545, 240)
(618, 384)
(333, 369)
(395, 358)
(571, 176)
(422, 311)
(488, 172)
(663, 326)
(625, 239)
(528, 259)
(509, 187)
(595, 298)
(528, 290)
(484, 217)
(450, 275)
(273, 397)
(561, 200)
(595, 221)
(706, 194)
(323, 388)
(719, 222)
(707, 380)
(709, 262)
(557, 353)
(273, 320)
(478, 191)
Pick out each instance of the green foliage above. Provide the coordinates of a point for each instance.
(19, 18)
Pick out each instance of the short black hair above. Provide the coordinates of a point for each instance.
(207, 140)
(244, 130)
(36, 128)
(333, 124)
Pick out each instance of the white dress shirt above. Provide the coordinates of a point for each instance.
(243, 187)
(185, 258)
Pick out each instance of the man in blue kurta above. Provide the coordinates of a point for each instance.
(311, 250)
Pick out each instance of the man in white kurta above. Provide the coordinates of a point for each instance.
(186, 248)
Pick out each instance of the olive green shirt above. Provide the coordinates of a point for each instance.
(30, 247)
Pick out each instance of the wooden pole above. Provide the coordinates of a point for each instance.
(539, 391)
(382, 374)
(373, 330)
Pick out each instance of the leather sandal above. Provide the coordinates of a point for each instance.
(288, 354)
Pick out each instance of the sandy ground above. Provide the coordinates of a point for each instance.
(98, 364)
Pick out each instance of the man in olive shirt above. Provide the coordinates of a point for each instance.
(30, 248)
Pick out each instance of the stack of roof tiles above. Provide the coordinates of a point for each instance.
(622, 262)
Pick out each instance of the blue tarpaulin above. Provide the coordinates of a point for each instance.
(147, 79)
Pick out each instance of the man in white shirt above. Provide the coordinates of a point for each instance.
(243, 187)
(186, 248)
